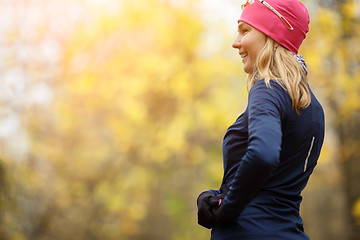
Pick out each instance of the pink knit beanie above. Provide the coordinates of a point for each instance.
(260, 16)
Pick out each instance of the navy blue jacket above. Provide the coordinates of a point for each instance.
(269, 153)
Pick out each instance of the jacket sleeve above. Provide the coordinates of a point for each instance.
(266, 107)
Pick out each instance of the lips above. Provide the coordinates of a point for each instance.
(243, 55)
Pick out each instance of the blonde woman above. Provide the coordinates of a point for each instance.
(272, 148)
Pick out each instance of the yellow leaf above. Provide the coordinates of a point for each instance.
(356, 211)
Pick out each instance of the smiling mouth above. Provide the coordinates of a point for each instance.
(243, 55)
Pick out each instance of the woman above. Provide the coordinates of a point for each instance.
(272, 148)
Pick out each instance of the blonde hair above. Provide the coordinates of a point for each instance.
(276, 63)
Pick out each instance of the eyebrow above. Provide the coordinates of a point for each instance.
(242, 25)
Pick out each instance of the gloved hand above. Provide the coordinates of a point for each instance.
(206, 218)
(208, 204)
(221, 215)
(216, 200)
(220, 212)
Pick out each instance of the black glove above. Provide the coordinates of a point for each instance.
(208, 203)
(221, 213)
(215, 201)
(206, 218)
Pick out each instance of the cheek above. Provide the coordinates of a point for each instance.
(246, 40)
(257, 49)
(262, 42)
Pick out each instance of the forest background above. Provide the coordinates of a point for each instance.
(112, 115)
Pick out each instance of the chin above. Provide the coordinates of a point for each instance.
(246, 70)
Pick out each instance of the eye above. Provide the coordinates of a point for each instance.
(244, 30)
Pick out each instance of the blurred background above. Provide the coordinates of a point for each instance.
(112, 115)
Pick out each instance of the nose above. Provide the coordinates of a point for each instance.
(237, 42)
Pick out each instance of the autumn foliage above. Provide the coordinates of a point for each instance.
(136, 107)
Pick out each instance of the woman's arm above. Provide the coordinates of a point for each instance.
(266, 108)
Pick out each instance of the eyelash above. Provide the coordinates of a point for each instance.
(243, 31)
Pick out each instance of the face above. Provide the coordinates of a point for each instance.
(249, 42)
